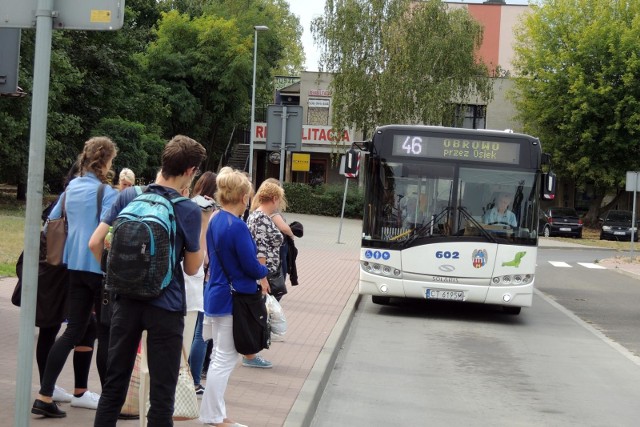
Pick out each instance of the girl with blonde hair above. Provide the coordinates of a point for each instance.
(231, 251)
(126, 179)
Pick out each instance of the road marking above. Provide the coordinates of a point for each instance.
(559, 264)
(592, 265)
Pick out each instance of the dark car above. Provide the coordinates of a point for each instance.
(616, 225)
(560, 222)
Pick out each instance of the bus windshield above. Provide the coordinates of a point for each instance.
(429, 199)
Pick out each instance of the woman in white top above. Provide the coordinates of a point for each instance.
(193, 342)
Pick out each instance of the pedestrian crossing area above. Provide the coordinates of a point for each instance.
(591, 265)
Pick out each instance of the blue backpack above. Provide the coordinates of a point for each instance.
(142, 258)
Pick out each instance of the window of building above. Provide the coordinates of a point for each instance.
(318, 112)
(469, 116)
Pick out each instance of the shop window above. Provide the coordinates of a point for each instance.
(317, 172)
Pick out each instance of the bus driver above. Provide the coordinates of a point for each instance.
(500, 214)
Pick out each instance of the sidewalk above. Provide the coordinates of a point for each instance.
(318, 312)
(328, 274)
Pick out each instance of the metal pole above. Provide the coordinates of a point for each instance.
(344, 202)
(283, 139)
(633, 214)
(253, 96)
(35, 180)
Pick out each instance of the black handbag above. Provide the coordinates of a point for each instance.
(251, 331)
(251, 328)
(277, 284)
(53, 285)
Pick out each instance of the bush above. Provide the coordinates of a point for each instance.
(325, 200)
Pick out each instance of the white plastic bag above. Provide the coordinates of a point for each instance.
(276, 316)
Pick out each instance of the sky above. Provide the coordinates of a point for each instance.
(306, 10)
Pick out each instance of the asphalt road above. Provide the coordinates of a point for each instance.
(604, 298)
(439, 364)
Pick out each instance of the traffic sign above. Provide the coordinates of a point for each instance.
(104, 15)
(352, 163)
(293, 131)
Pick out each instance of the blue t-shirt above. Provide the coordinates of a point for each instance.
(188, 224)
(495, 217)
(229, 242)
(81, 207)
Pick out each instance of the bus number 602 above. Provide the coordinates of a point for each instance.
(448, 255)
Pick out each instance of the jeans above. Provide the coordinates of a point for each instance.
(84, 293)
(164, 349)
(198, 351)
(224, 358)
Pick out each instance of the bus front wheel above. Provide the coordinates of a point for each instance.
(511, 310)
(380, 300)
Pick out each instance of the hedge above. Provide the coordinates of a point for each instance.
(325, 200)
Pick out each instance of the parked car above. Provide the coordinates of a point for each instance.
(616, 225)
(557, 221)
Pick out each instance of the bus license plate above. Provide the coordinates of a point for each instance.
(446, 295)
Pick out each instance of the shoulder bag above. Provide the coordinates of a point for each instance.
(185, 404)
(251, 329)
(57, 230)
(277, 284)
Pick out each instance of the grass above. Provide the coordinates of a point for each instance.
(12, 215)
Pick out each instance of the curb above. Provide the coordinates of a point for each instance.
(304, 408)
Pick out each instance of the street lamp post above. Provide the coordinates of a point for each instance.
(253, 95)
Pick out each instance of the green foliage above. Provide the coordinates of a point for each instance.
(398, 61)
(578, 88)
(152, 79)
(325, 200)
(129, 137)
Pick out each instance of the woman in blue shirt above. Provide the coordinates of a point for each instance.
(85, 276)
(231, 252)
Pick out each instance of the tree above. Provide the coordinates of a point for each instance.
(398, 61)
(578, 89)
(205, 67)
(15, 114)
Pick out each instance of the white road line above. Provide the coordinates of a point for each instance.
(592, 265)
(559, 264)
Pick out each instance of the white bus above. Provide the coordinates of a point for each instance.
(452, 214)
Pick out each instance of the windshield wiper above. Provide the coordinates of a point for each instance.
(426, 230)
(479, 226)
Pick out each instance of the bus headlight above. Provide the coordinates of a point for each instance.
(380, 269)
(512, 279)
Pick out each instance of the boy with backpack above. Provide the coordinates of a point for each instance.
(152, 233)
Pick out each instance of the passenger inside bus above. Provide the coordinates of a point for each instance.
(414, 208)
(500, 213)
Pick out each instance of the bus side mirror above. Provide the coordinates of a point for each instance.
(548, 186)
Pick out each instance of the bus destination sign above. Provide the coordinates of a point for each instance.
(435, 147)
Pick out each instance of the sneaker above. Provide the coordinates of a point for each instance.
(277, 337)
(49, 410)
(256, 362)
(89, 400)
(60, 395)
(199, 390)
